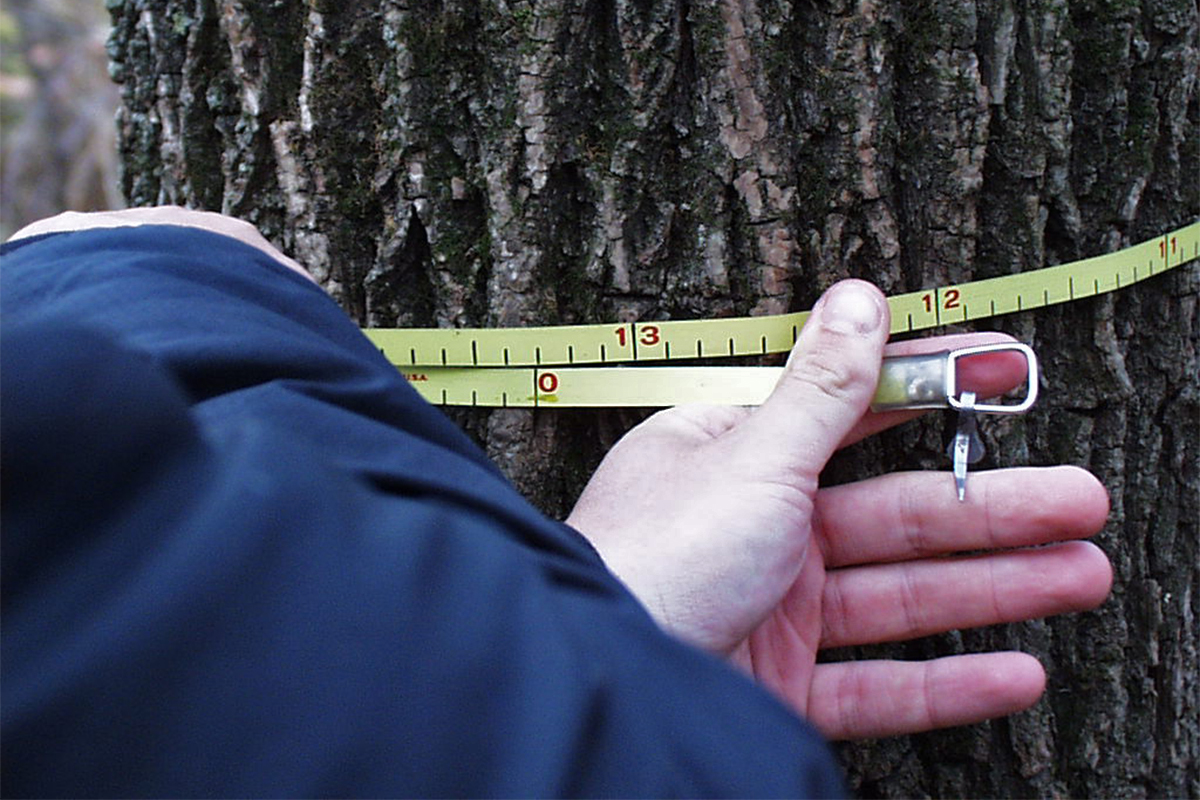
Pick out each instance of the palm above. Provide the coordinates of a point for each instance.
(677, 473)
(781, 652)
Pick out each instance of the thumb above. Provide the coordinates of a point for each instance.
(829, 379)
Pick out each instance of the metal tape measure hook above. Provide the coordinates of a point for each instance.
(1031, 366)
(930, 380)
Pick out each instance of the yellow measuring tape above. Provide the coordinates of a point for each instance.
(514, 367)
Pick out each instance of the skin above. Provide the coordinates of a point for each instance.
(159, 215)
(713, 518)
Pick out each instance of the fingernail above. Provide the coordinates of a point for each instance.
(851, 307)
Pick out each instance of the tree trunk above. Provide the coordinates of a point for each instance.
(482, 164)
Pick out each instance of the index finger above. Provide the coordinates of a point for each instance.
(908, 515)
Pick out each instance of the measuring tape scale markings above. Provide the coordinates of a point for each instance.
(749, 336)
(530, 367)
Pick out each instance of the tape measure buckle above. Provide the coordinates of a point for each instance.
(930, 380)
(1031, 379)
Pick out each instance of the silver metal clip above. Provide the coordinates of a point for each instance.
(930, 380)
(967, 447)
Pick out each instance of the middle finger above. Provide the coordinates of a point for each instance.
(893, 602)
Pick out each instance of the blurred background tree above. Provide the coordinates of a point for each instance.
(57, 104)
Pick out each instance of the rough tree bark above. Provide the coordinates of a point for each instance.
(509, 163)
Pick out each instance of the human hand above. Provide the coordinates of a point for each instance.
(159, 215)
(713, 518)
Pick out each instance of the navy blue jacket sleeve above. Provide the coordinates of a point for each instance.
(241, 557)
